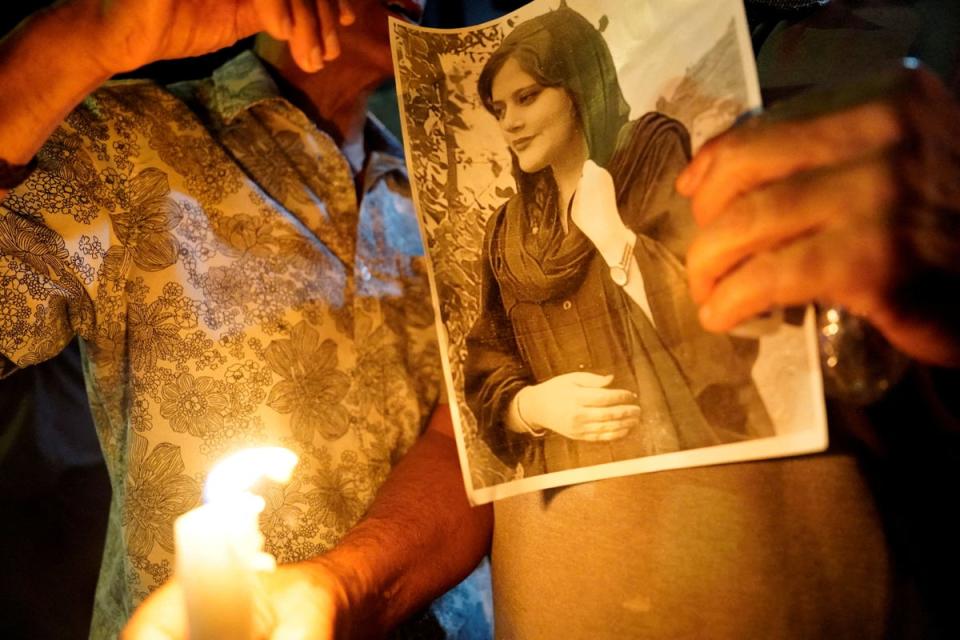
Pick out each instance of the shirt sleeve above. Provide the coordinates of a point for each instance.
(54, 236)
(494, 371)
(42, 302)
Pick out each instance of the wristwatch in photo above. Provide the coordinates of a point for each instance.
(620, 272)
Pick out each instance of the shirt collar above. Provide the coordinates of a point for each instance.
(235, 86)
(239, 84)
(244, 82)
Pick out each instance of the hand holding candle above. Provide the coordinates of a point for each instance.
(219, 546)
(217, 592)
(306, 601)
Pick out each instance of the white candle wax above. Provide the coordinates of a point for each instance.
(219, 546)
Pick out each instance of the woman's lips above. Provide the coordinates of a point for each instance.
(522, 143)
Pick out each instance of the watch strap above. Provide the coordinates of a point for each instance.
(620, 272)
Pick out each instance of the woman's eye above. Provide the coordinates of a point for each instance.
(529, 96)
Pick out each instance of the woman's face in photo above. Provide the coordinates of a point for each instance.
(538, 123)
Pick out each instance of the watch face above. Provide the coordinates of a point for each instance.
(618, 275)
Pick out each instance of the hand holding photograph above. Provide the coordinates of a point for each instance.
(543, 149)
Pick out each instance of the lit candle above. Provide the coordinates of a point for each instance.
(220, 547)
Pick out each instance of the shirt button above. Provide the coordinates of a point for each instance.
(567, 305)
(581, 366)
(535, 230)
(365, 273)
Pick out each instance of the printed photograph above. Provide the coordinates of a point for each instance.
(543, 149)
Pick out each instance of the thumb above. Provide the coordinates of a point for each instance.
(303, 623)
(162, 616)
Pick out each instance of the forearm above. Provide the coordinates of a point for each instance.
(419, 538)
(43, 76)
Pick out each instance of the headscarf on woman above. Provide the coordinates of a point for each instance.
(562, 49)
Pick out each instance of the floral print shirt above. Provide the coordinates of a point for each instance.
(206, 243)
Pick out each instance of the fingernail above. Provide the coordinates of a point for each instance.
(706, 315)
(316, 58)
(331, 45)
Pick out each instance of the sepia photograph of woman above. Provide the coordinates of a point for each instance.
(588, 348)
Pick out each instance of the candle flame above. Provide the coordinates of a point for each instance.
(233, 476)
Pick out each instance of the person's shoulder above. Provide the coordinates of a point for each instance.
(85, 162)
(118, 109)
(654, 119)
(652, 126)
(644, 144)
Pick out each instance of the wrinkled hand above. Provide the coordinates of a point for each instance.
(122, 35)
(595, 212)
(306, 601)
(580, 406)
(856, 204)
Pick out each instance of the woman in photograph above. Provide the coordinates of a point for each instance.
(588, 348)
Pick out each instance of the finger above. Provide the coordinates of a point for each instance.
(847, 266)
(627, 413)
(600, 424)
(275, 17)
(305, 44)
(692, 175)
(290, 628)
(776, 213)
(760, 152)
(303, 607)
(160, 617)
(587, 379)
(605, 436)
(347, 15)
(147, 633)
(599, 421)
(854, 195)
(603, 397)
(328, 30)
